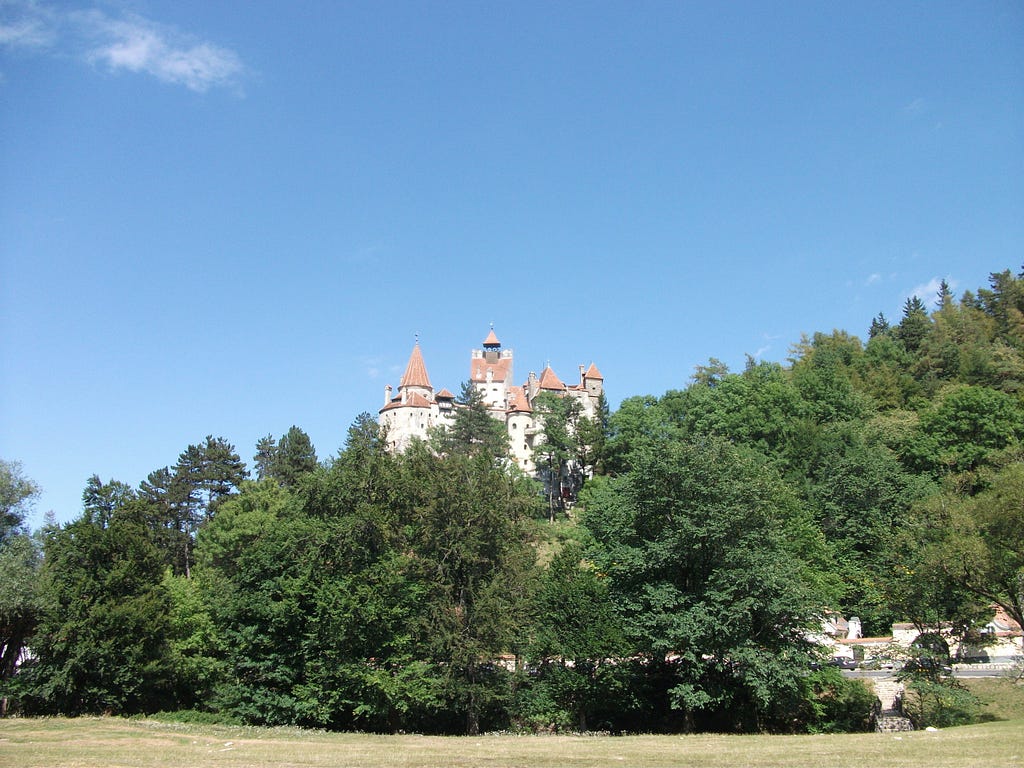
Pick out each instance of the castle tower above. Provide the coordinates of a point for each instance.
(490, 371)
(414, 410)
(415, 379)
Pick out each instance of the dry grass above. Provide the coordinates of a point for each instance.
(112, 742)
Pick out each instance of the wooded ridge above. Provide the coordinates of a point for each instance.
(440, 591)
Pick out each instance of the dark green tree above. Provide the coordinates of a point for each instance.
(99, 499)
(170, 516)
(266, 455)
(204, 476)
(295, 457)
(560, 455)
(915, 325)
(879, 325)
(100, 645)
(712, 594)
(963, 431)
(473, 430)
(578, 644)
(469, 550)
(252, 565)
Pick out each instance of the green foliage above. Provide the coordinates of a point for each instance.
(287, 460)
(19, 567)
(422, 592)
(838, 704)
(100, 645)
(192, 642)
(964, 430)
(474, 430)
(250, 563)
(577, 644)
(973, 545)
(708, 590)
(470, 552)
(20, 560)
(562, 454)
(16, 495)
(940, 703)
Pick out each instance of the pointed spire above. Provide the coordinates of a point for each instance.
(549, 380)
(593, 373)
(416, 371)
(491, 340)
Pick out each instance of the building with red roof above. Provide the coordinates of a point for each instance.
(415, 409)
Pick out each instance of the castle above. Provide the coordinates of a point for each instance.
(416, 408)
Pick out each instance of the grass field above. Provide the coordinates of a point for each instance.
(112, 742)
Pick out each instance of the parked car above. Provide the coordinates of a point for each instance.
(879, 663)
(843, 662)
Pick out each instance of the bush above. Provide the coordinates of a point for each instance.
(940, 704)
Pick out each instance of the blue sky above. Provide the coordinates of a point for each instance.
(228, 218)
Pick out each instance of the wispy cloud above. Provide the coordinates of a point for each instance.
(139, 45)
(915, 107)
(372, 366)
(26, 25)
(929, 292)
(127, 42)
(873, 278)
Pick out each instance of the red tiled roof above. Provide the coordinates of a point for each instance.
(412, 400)
(444, 394)
(593, 373)
(416, 371)
(478, 368)
(548, 380)
(519, 401)
(491, 340)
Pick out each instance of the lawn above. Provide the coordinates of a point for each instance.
(112, 742)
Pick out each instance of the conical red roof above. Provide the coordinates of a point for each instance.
(549, 380)
(416, 371)
(593, 373)
(491, 340)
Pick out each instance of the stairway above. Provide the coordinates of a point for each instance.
(889, 717)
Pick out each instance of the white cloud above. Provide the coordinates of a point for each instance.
(139, 45)
(26, 25)
(929, 292)
(873, 278)
(120, 43)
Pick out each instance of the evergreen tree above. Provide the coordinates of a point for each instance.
(469, 551)
(266, 456)
(879, 325)
(914, 326)
(473, 430)
(295, 457)
(100, 646)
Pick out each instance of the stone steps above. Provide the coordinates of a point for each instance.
(890, 717)
(892, 722)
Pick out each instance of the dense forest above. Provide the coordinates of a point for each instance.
(441, 591)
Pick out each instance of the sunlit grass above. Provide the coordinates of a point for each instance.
(95, 742)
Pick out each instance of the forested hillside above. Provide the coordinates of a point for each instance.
(441, 591)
